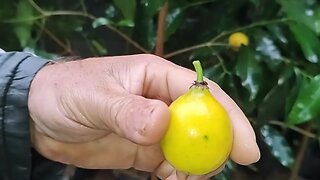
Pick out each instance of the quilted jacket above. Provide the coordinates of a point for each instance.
(18, 161)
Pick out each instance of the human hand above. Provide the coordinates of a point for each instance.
(111, 113)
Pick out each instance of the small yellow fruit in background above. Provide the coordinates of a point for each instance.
(200, 135)
(238, 39)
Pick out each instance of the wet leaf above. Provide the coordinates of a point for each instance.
(174, 19)
(101, 21)
(277, 145)
(307, 40)
(249, 71)
(126, 23)
(299, 11)
(307, 104)
(273, 104)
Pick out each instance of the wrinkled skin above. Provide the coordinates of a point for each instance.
(111, 112)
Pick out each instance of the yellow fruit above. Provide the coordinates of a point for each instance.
(238, 39)
(199, 138)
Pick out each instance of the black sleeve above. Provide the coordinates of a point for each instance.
(17, 70)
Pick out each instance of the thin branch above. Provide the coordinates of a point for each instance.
(161, 29)
(294, 128)
(198, 46)
(224, 33)
(76, 13)
(35, 6)
(55, 39)
(253, 25)
(300, 155)
(199, 3)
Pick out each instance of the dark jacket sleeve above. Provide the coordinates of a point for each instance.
(17, 70)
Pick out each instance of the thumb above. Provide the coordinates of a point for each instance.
(141, 120)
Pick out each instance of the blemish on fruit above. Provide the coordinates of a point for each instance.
(205, 137)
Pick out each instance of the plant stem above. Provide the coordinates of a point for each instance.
(161, 29)
(197, 66)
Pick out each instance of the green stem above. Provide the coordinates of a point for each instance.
(197, 66)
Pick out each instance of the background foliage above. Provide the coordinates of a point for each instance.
(275, 79)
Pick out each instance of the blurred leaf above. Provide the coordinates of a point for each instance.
(308, 41)
(286, 73)
(215, 73)
(267, 47)
(249, 70)
(174, 19)
(101, 21)
(297, 83)
(126, 23)
(151, 7)
(277, 145)
(299, 11)
(277, 32)
(226, 173)
(23, 29)
(127, 7)
(307, 104)
(99, 49)
(273, 104)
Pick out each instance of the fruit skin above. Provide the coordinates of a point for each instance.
(199, 138)
(238, 39)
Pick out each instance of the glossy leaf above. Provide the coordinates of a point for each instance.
(99, 48)
(299, 11)
(151, 7)
(307, 104)
(24, 14)
(126, 23)
(127, 7)
(215, 73)
(267, 47)
(308, 41)
(174, 19)
(277, 145)
(101, 21)
(249, 71)
(286, 73)
(273, 104)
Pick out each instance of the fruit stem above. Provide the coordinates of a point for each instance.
(197, 66)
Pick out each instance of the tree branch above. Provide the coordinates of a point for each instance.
(161, 29)
(224, 33)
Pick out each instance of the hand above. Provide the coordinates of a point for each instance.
(111, 112)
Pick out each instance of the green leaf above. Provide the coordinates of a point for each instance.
(126, 23)
(299, 11)
(99, 48)
(267, 47)
(215, 73)
(101, 21)
(249, 71)
(277, 145)
(151, 7)
(307, 40)
(286, 73)
(127, 7)
(273, 104)
(22, 29)
(174, 19)
(226, 173)
(307, 104)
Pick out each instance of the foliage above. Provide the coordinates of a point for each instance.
(275, 79)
